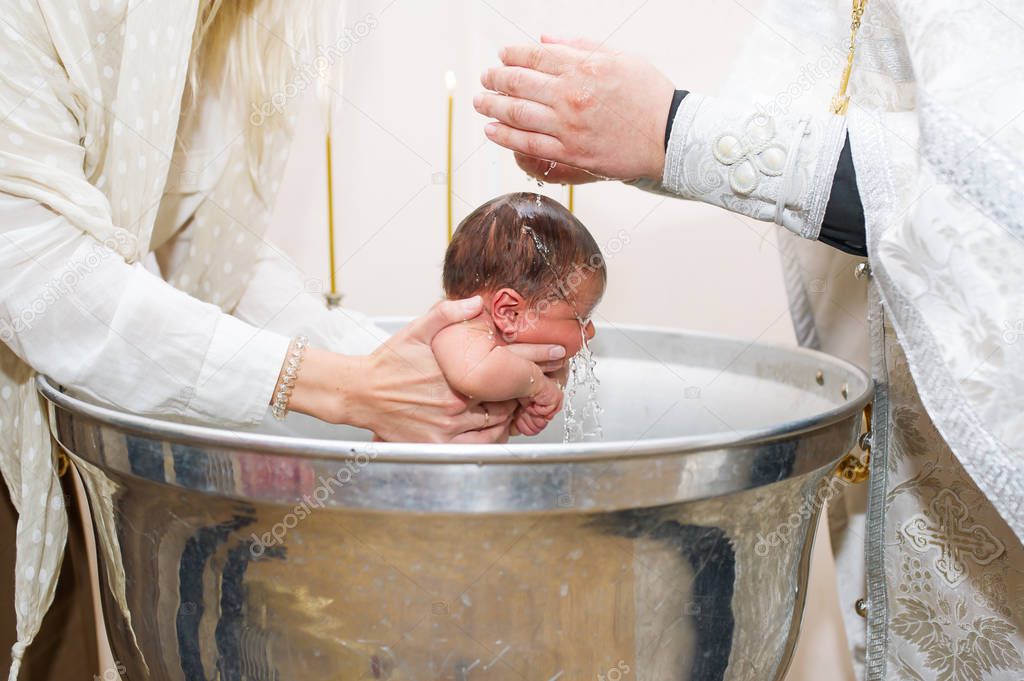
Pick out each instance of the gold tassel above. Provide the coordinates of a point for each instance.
(841, 101)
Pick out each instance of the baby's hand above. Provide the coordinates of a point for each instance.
(547, 400)
(529, 424)
(537, 411)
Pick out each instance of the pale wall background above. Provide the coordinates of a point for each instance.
(686, 265)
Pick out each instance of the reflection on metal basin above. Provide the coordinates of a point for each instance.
(675, 549)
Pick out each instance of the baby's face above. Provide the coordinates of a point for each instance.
(555, 321)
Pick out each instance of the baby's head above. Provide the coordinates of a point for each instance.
(538, 269)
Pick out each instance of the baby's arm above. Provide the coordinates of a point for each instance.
(477, 367)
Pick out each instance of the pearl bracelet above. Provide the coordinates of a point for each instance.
(288, 377)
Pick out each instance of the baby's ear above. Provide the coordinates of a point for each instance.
(508, 310)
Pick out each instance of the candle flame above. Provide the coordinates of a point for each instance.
(449, 81)
(323, 65)
(324, 93)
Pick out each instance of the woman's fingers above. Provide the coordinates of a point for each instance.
(486, 436)
(487, 413)
(519, 82)
(530, 143)
(552, 366)
(560, 374)
(481, 422)
(519, 113)
(488, 422)
(406, 397)
(443, 314)
(538, 352)
(549, 358)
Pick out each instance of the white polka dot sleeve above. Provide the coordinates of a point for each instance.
(75, 310)
(74, 303)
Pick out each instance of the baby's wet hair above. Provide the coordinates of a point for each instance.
(523, 241)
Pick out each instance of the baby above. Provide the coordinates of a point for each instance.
(540, 274)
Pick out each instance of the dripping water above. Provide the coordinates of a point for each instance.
(539, 180)
(542, 249)
(582, 413)
(581, 420)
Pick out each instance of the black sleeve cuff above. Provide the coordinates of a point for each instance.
(843, 225)
(677, 99)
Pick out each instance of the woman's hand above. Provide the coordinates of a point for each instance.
(398, 391)
(550, 358)
(581, 105)
(559, 375)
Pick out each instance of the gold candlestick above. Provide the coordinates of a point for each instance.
(333, 297)
(449, 78)
(328, 87)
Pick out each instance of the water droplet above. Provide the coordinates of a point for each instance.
(582, 421)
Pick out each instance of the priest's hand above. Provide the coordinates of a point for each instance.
(594, 112)
(551, 171)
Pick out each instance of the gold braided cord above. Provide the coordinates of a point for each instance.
(841, 102)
